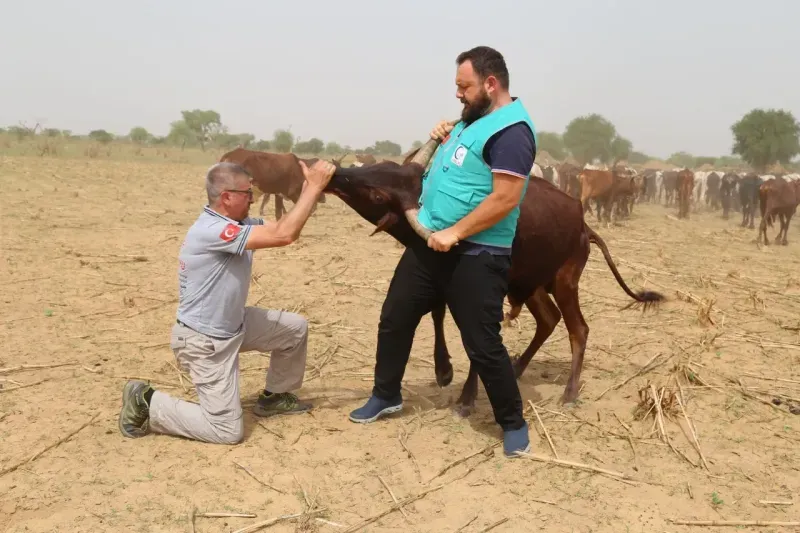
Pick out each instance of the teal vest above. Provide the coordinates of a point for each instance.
(459, 179)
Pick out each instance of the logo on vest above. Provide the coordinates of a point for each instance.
(459, 155)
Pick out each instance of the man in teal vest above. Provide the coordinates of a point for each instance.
(470, 201)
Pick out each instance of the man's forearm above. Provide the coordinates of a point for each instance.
(489, 212)
(296, 218)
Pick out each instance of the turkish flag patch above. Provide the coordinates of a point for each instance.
(230, 232)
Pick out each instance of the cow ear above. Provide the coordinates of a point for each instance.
(388, 220)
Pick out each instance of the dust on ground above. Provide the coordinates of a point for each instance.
(89, 275)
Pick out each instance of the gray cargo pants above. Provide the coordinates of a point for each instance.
(213, 365)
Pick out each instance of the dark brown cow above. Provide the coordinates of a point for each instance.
(278, 174)
(777, 198)
(727, 192)
(629, 191)
(669, 184)
(568, 180)
(713, 182)
(549, 254)
(749, 187)
(685, 185)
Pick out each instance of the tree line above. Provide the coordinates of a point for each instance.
(762, 138)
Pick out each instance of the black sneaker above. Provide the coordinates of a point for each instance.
(134, 417)
(279, 403)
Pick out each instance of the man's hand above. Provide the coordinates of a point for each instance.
(441, 130)
(442, 241)
(319, 174)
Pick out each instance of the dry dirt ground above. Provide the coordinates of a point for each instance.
(89, 283)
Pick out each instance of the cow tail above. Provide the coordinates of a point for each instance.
(647, 298)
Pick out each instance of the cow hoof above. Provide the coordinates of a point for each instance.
(463, 410)
(445, 378)
(784, 243)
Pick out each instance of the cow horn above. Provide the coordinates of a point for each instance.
(419, 229)
(424, 155)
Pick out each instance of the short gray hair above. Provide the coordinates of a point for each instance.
(221, 176)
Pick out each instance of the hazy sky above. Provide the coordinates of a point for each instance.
(671, 75)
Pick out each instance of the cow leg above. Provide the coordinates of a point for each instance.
(762, 229)
(441, 355)
(566, 295)
(279, 208)
(785, 227)
(547, 317)
(465, 404)
(752, 211)
(264, 200)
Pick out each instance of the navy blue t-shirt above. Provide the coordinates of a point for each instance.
(511, 150)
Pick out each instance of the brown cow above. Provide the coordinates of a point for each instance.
(777, 198)
(603, 186)
(685, 186)
(549, 254)
(713, 182)
(278, 174)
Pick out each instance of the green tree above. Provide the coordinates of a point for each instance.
(638, 158)
(101, 136)
(282, 141)
(333, 148)
(139, 135)
(589, 137)
(681, 159)
(552, 143)
(388, 148)
(262, 145)
(765, 137)
(416, 144)
(705, 160)
(204, 124)
(621, 149)
(312, 146)
(181, 134)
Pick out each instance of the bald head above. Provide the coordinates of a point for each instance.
(222, 176)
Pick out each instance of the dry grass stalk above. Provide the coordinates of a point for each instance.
(272, 521)
(49, 447)
(395, 507)
(394, 498)
(9, 389)
(651, 400)
(252, 475)
(465, 458)
(546, 433)
(760, 523)
(774, 502)
(20, 368)
(462, 528)
(492, 526)
(402, 436)
(226, 515)
(646, 368)
(573, 464)
(694, 434)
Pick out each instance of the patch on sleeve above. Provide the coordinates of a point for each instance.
(230, 232)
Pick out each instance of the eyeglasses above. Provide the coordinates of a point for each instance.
(248, 192)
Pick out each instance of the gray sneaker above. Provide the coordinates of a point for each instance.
(279, 403)
(134, 417)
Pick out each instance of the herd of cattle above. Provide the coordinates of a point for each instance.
(615, 192)
(553, 238)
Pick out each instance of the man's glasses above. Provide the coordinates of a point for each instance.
(248, 192)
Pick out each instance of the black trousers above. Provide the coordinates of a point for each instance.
(474, 288)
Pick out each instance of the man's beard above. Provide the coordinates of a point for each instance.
(475, 110)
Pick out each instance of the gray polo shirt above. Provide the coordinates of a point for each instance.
(214, 274)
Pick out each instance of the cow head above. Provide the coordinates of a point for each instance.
(387, 193)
